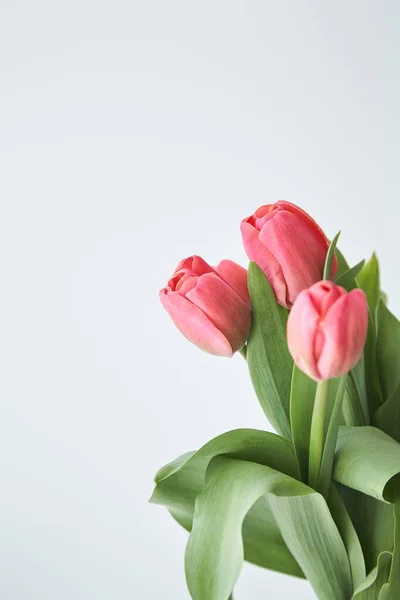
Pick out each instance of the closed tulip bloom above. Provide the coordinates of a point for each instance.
(210, 306)
(326, 330)
(288, 245)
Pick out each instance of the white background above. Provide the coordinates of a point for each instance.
(133, 134)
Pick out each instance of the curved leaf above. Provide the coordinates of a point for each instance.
(328, 454)
(372, 585)
(262, 447)
(391, 590)
(347, 279)
(369, 281)
(329, 257)
(214, 553)
(349, 535)
(343, 265)
(302, 396)
(388, 350)
(268, 358)
(180, 482)
(353, 412)
(387, 417)
(375, 476)
(373, 521)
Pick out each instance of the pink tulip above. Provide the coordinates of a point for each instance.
(210, 306)
(326, 330)
(288, 245)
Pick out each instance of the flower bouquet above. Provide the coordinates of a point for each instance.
(319, 499)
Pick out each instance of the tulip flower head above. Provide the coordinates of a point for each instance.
(210, 306)
(327, 329)
(288, 245)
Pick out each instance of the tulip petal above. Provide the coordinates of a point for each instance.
(262, 256)
(324, 294)
(194, 324)
(284, 204)
(302, 328)
(194, 263)
(236, 276)
(345, 329)
(224, 307)
(298, 247)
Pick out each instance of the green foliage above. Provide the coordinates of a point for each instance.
(348, 278)
(270, 364)
(388, 350)
(246, 494)
(329, 257)
(372, 585)
(180, 482)
(301, 408)
(373, 475)
(214, 553)
(369, 280)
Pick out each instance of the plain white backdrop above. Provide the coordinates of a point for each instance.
(133, 134)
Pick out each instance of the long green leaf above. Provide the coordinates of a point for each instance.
(348, 534)
(387, 417)
(368, 280)
(391, 590)
(214, 553)
(331, 438)
(367, 460)
(372, 585)
(270, 363)
(373, 521)
(388, 350)
(353, 413)
(262, 447)
(330, 256)
(347, 279)
(343, 265)
(181, 481)
(301, 408)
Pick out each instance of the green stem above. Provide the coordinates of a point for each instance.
(243, 352)
(317, 434)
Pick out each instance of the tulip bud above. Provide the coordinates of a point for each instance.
(326, 330)
(210, 306)
(288, 245)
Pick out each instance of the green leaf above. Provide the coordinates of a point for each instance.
(387, 417)
(388, 350)
(331, 438)
(368, 460)
(373, 521)
(374, 476)
(214, 553)
(270, 363)
(353, 412)
(391, 590)
(262, 447)
(348, 534)
(369, 281)
(372, 382)
(343, 265)
(180, 482)
(301, 408)
(329, 257)
(348, 278)
(372, 585)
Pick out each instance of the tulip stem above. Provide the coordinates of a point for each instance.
(317, 434)
(243, 352)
